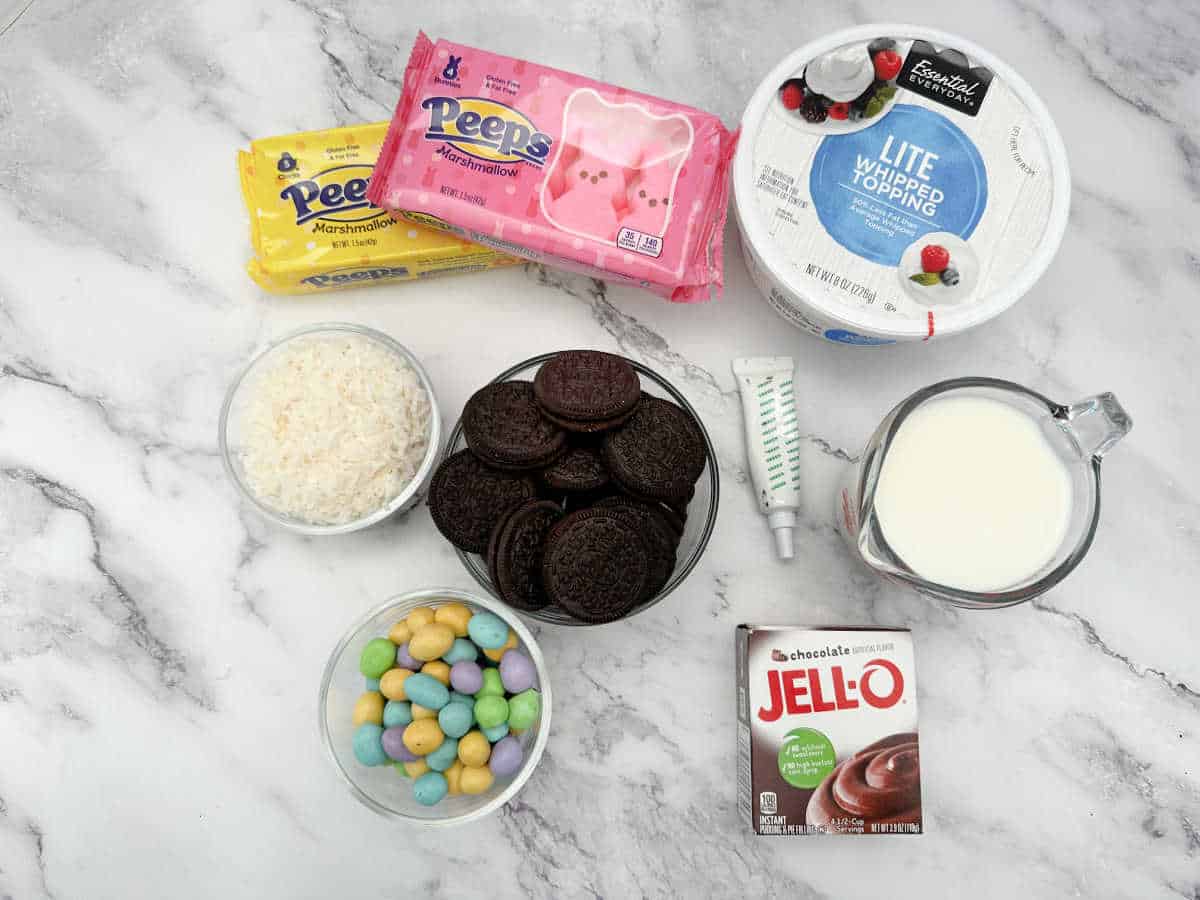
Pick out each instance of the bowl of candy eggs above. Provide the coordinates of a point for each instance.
(435, 707)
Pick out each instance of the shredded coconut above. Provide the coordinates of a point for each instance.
(333, 428)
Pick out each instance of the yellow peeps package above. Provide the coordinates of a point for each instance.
(313, 229)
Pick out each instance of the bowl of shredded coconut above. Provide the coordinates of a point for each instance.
(330, 429)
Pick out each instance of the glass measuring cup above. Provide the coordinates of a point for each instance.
(1080, 434)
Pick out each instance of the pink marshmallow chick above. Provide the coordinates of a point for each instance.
(585, 194)
(649, 196)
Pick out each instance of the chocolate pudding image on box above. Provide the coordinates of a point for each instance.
(827, 731)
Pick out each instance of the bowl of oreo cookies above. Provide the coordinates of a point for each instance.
(578, 487)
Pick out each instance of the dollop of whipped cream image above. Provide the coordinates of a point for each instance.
(841, 75)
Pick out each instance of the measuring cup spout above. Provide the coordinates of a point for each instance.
(1095, 424)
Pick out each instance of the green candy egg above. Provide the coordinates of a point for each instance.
(524, 709)
(444, 756)
(399, 767)
(462, 650)
(430, 788)
(492, 685)
(377, 657)
(491, 711)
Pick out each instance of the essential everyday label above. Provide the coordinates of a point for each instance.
(827, 737)
(931, 193)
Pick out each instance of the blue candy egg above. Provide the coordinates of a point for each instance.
(444, 756)
(496, 732)
(456, 697)
(430, 788)
(462, 650)
(397, 712)
(372, 684)
(487, 630)
(427, 691)
(455, 719)
(368, 745)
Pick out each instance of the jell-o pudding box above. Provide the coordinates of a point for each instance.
(312, 228)
(827, 731)
(558, 168)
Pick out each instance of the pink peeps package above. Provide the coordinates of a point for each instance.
(559, 169)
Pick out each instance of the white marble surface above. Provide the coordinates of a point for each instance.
(160, 647)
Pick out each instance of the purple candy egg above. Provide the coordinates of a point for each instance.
(404, 659)
(393, 745)
(466, 677)
(517, 672)
(507, 755)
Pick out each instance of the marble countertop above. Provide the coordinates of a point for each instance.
(161, 646)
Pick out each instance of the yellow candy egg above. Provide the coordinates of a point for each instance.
(430, 641)
(473, 748)
(423, 736)
(369, 708)
(439, 670)
(453, 776)
(422, 615)
(494, 655)
(423, 712)
(416, 768)
(400, 633)
(475, 779)
(456, 615)
(392, 683)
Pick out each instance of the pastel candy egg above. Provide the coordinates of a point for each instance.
(455, 719)
(400, 633)
(422, 615)
(423, 712)
(368, 744)
(431, 641)
(491, 711)
(456, 697)
(507, 757)
(397, 712)
(475, 779)
(517, 672)
(456, 615)
(462, 650)
(399, 767)
(496, 732)
(393, 744)
(466, 677)
(368, 708)
(392, 683)
(405, 659)
(498, 653)
(453, 777)
(444, 756)
(372, 684)
(487, 630)
(416, 768)
(426, 690)
(423, 736)
(430, 788)
(491, 684)
(439, 670)
(473, 749)
(523, 709)
(377, 657)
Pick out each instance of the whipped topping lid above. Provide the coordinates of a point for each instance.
(841, 75)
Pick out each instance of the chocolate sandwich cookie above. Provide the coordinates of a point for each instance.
(579, 469)
(518, 554)
(595, 565)
(659, 538)
(658, 454)
(587, 386)
(505, 428)
(597, 427)
(467, 499)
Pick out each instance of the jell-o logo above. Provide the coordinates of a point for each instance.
(828, 691)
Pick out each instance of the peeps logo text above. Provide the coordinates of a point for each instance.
(343, 277)
(486, 129)
(335, 195)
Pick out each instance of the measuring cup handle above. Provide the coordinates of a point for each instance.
(1096, 423)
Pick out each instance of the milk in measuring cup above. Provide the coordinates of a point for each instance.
(972, 495)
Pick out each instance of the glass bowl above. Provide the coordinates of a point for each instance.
(382, 788)
(702, 508)
(229, 435)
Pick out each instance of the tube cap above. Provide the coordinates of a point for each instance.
(782, 522)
